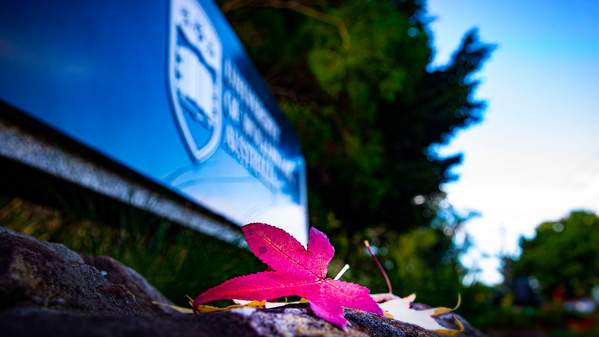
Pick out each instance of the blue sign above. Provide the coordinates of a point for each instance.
(164, 88)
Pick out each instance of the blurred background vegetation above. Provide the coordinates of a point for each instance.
(356, 80)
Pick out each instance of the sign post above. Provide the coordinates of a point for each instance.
(163, 89)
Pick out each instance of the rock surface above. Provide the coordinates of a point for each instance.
(49, 275)
(48, 290)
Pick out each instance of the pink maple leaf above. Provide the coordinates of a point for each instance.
(295, 271)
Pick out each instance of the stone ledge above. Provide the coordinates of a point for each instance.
(48, 290)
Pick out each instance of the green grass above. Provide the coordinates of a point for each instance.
(176, 260)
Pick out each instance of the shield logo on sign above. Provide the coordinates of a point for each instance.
(195, 77)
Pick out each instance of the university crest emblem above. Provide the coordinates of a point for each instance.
(195, 77)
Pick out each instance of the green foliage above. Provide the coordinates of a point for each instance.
(368, 106)
(412, 263)
(563, 253)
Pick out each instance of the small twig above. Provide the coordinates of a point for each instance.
(341, 272)
(380, 266)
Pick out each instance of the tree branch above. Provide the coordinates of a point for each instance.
(295, 6)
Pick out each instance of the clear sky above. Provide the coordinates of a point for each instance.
(535, 156)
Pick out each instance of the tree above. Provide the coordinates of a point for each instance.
(563, 253)
(357, 82)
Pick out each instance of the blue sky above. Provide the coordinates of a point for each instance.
(535, 156)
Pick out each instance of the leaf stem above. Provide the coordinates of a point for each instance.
(380, 266)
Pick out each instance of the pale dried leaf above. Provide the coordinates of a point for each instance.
(399, 309)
